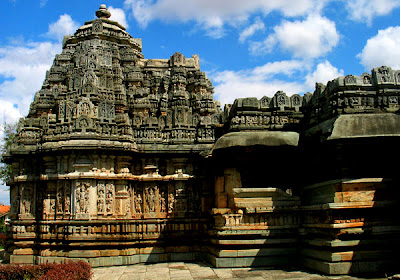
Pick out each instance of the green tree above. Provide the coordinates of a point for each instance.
(9, 132)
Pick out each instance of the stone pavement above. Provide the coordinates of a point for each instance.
(202, 271)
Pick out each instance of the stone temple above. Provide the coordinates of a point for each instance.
(124, 160)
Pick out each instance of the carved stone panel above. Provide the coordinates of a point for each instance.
(109, 195)
(67, 198)
(155, 201)
(82, 200)
(280, 100)
(26, 203)
(137, 201)
(60, 197)
(101, 195)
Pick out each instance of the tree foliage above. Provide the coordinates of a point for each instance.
(7, 139)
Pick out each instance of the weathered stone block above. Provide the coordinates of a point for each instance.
(25, 251)
(84, 254)
(22, 259)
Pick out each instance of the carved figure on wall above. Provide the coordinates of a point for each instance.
(367, 79)
(150, 200)
(350, 79)
(44, 206)
(26, 197)
(128, 206)
(100, 197)
(162, 203)
(171, 201)
(109, 197)
(67, 199)
(138, 203)
(52, 209)
(61, 110)
(82, 197)
(59, 197)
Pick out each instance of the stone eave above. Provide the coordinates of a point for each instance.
(351, 126)
(257, 138)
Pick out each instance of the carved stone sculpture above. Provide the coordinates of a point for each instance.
(124, 159)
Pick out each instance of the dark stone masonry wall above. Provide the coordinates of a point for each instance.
(125, 160)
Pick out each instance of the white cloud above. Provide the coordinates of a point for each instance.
(119, 16)
(258, 81)
(286, 67)
(211, 14)
(323, 73)
(258, 25)
(271, 77)
(23, 66)
(313, 37)
(366, 10)
(63, 26)
(382, 49)
(24, 69)
(9, 113)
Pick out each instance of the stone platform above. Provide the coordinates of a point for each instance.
(180, 270)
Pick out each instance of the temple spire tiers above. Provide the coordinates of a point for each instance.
(116, 140)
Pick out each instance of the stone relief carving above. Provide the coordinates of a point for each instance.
(105, 197)
(109, 198)
(26, 200)
(151, 195)
(101, 195)
(60, 197)
(67, 198)
(171, 202)
(82, 200)
(138, 203)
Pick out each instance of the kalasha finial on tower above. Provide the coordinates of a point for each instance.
(102, 12)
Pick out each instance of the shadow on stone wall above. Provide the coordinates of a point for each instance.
(350, 225)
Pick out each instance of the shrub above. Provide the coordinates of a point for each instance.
(3, 239)
(51, 271)
(67, 271)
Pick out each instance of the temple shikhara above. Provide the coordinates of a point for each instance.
(124, 159)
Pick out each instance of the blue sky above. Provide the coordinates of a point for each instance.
(247, 48)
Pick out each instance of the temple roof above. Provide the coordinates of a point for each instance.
(101, 92)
